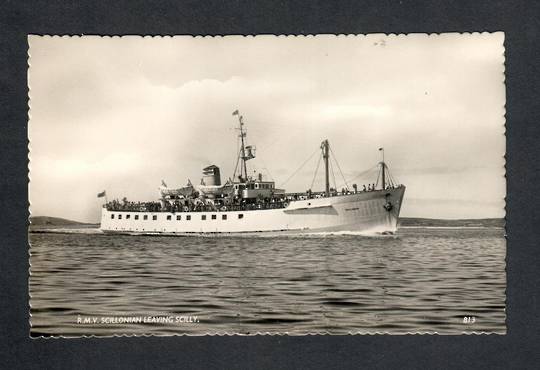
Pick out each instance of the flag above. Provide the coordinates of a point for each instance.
(235, 113)
(163, 183)
(102, 194)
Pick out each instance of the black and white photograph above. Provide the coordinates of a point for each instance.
(255, 185)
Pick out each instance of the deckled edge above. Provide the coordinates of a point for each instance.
(258, 333)
(29, 145)
(503, 81)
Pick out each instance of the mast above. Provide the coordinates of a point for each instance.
(383, 170)
(246, 152)
(242, 148)
(325, 146)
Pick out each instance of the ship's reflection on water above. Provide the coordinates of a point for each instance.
(422, 280)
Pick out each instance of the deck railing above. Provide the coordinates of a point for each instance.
(276, 203)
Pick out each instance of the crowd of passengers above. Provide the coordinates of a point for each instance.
(184, 205)
(125, 205)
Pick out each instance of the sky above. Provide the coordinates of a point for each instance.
(122, 113)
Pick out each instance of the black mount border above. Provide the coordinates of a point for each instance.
(520, 348)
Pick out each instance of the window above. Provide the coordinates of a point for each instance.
(240, 216)
(178, 218)
(223, 217)
(214, 217)
(154, 217)
(136, 217)
(169, 217)
(145, 217)
(127, 217)
(203, 217)
(112, 216)
(188, 217)
(119, 217)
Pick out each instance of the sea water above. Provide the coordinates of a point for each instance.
(421, 280)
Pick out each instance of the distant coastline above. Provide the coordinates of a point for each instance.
(433, 222)
(45, 222)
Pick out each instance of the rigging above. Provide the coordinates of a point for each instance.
(316, 171)
(339, 168)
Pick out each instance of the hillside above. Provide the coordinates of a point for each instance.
(431, 222)
(55, 222)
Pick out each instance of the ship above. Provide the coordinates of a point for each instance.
(253, 205)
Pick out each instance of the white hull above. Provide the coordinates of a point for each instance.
(361, 212)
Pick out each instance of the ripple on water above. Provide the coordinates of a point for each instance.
(422, 280)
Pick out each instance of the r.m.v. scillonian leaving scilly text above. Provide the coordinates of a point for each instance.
(247, 204)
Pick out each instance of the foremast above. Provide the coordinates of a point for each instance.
(383, 169)
(325, 147)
